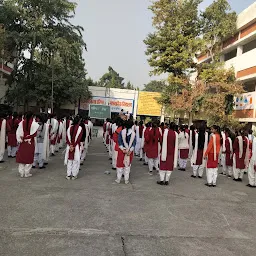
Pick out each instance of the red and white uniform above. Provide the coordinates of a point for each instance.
(169, 154)
(2, 137)
(26, 137)
(252, 166)
(183, 149)
(12, 126)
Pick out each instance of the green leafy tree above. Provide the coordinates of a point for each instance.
(155, 86)
(111, 79)
(130, 86)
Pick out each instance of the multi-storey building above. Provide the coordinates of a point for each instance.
(239, 52)
(5, 70)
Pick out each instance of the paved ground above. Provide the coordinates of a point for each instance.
(48, 215)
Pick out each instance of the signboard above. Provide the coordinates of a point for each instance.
(99, 111)
(245, 101)
(115, 104)
(148, 105)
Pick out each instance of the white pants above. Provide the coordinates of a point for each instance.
(137, 147)
(12, 151)
(57, 147)
(238, 173)
(252, 175)
(141, 153)
(227, 169)
(38, 158)
(1, 157)
(24, 169)
(110, 148)
(123, 171)
(183, 163)
(114, 158)
(198, 170)
(146, 159)
(52, 149)
(73, 168)
(212, 174)
(165, 175)
(153, 162)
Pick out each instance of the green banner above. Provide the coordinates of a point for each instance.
(99, 111)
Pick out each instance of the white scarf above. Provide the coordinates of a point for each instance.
(143, 138)
(2, 137)
(231, 147)
(46, 149)
(194, 156)
(20, 133)
(77, 149)
(223, 139)
(214, 147)
(127, 160)
(60, 128)
(240, 144)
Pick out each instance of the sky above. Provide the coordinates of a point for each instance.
(114, 31)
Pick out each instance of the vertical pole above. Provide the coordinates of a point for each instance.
(52, 87)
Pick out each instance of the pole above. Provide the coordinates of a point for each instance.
(52, 90)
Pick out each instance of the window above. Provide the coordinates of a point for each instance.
(230, 55)
(249, 46)
(250, 86)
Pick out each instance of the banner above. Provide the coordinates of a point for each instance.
(245, 101)
(115, 104)
(148, 105)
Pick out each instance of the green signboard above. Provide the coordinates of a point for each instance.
(99, 111)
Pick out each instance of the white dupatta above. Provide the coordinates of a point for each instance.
(143, 137)
(2, 136)
(231, 147)
(46, 149)
(77, 149)
(124, 134)
(20, 133)
(164, 148)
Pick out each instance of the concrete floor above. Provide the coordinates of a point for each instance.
(48, 215)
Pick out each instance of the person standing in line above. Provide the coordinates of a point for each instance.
(141, 130)
(252, 166)
(54, 125)
(227, 154)
(152, 139)
(199, 144)
(127, 143)
(146, 146)
(241, 156)
(12, 126)
(104, 131)
(136, 130)
(72, 156)
(26, 136)
(183, 148)
(212, 156)
(169, 155)
(2, 137)
(58, 145)
(83, 141)
(41, 147)
(119, 125)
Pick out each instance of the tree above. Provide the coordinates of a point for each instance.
(218, 22)
(55, 48)
(130, 86)
(111, 79)
(154, 86)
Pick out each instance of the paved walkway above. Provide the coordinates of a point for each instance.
(48, 215)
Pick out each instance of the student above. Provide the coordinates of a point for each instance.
(127, 143)
(241, 155)
(72, 156)
(169, 155)
(26, 134)
(152, 139)
(199, 144)
(12, 126)
(183, 148)
(252, 167)
(212, 156)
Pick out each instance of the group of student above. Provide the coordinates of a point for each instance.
(165, 147)
(32, 139)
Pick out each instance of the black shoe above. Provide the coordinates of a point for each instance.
(141, 159)
(52, 154)
(249, 185)
(82, 164)
(154, 168)
(1, 161)
(213, 186)
(145, 164)
(13, 156)
(33, 167)
(208, 185)
(166, 183)
(236, 179)
(45, 163)
(183, 170)
(110, 158)
(193, 176)
(9, 156)
(239, 179)
(229, 176)
(43, 167)
(113, 168)
(200, 177)
(160, 183)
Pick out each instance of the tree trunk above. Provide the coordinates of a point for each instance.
(190, 118)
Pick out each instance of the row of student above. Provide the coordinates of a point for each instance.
(203, 147)
(35, 138)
